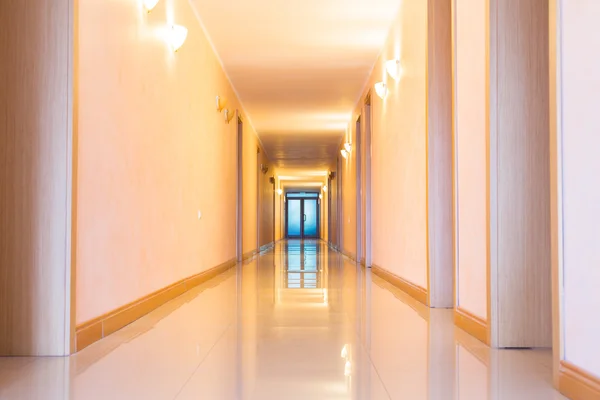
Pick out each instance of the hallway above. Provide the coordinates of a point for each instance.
(275, 328)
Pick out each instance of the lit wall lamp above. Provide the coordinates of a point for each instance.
(348, 147)
(394, 69)
(178, 36)
(344, 153)
(150, 4)
(348, 369)
(279, 191)
(344, 353)
(321, 196)
(226, 114)
(381, 89)
(325, 188)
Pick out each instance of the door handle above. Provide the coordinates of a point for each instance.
(304, 217)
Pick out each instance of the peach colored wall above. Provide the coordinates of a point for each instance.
(581, 195)
(35, 177)
(265, 216)
(470, 155)
(153, 151)
(279, 228)
(334, 207)
(399, 202)
(349, 221)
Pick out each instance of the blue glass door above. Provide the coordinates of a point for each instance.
(294, 220)
(310, 217)
(302, 215)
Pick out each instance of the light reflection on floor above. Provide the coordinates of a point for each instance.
(298, 322)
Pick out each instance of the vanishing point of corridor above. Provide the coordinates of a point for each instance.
(298, 321)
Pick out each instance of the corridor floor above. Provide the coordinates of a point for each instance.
(297, 322)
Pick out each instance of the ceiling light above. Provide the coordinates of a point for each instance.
(178, 36)
(348, 147)
(150, 4)
(381, 89)
(344, 153)
(394, 69)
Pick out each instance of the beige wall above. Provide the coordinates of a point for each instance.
(399, 202)
(348, 177)
(266, 202)
(470, 155)
(35, 177)
(578, 109)
(153, 151)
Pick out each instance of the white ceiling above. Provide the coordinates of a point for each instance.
(298, 66)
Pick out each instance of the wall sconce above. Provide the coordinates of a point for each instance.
(381, 89)
(394, 69)
(219, 108)
(344, 153)
(348, 369)
(150, 4)
(178, 36)
(226, 114)
(348, 147)
(321, 196)
(264, 168)
(279, 192)
(344, 353)
(325, 188)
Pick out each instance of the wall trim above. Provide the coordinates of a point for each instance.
(576, 383)
(472, 324)
(106, 324)
(249, 255)
(349, 255)
(415, 291)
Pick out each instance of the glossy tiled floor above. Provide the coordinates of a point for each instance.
(276, 328)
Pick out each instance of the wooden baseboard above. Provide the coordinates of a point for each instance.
(415, 291)
(472, 324)
(102, 326)
(248, 255)
(349, 255)
(577, 384)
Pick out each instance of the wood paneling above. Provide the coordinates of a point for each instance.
(519, 141)
(578, 384)
(104, 325)
(439, 153)
(36, 39)
(415, 291)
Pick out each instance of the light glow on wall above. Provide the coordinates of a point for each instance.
(394, 69)
(381, 89)
(177, 36)
(150, 4)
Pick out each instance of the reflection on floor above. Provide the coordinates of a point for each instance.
(297, 322)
